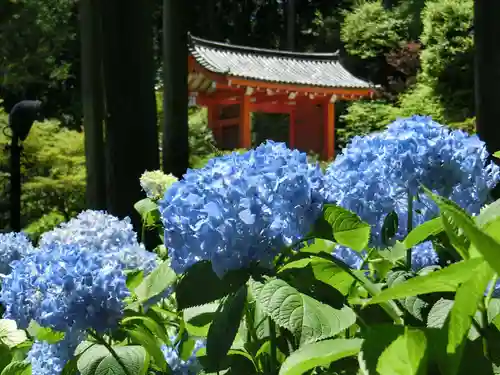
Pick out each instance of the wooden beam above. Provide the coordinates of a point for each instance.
(329, 130)
(271, 108)
(300, 88)
(245, 124)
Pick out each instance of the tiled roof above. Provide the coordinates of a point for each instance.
(311, 69)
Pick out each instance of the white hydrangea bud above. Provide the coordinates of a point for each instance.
(155, 183)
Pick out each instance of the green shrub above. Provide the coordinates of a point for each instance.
(198, 161)
(370, 30)
(46, 223)
(53, 172)
(421, 100)
(364, 117)
(448, 55)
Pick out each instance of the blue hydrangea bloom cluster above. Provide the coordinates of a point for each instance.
(241, 208)
(93, 228)
(13, 246)
(75, 285)
(190, 366)
(376, 173)
(50, 359)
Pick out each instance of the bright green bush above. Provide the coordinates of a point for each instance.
(364, 117)
(53, 172)
(447, 58)
(421, 100)
(370, 30)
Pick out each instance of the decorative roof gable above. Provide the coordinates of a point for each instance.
(309, 69)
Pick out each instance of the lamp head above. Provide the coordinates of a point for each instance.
(23, 115)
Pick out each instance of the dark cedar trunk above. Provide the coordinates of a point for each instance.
(131, 129)
(290, 24)
(92, 100)
(175, 146)
(211, 23)
(487, 72)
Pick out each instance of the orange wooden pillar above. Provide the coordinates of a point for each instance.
(329, 130)
(245, 124)
(291, 129)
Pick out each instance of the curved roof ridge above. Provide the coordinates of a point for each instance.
(194, 40)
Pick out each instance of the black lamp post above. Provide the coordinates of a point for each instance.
(21, 118)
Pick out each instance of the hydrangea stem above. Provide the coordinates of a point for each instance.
(274, 351)
(409, 227)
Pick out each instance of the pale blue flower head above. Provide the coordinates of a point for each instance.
(13, 246)
(50, 359)
(179, 366)
(66, 287)
(75, 282)
(93, 228)
(375, 174)
(241, 208)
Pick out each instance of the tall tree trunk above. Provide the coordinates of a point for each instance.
(211, 20)
(131, 124)
(175, 145)
(92, 100)
(487, 72)
(291, 20)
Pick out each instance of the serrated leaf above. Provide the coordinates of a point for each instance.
(324, 271)
(319, 354)
(10, 335)
(142, 337)
(198, 319)
(308, 319)
(159, 280)
(438, 318)
(496, 154)
(488, 214)
(377, 339)
(439, 313)
(17, 368)
(44, 334)
(467, 299)
(134, 278)
(224, 327)
(144, 207)
(98, 361)
(151, 324)
(201, 274)
(319, 245)
(494, 312)
(396, 253)
(70, 368)
(423, 232)
(415, 307)
(445, 280)
(484, 243)
(406, 355)
(348, 229)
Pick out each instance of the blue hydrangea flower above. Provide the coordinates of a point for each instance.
(241, 208)
(105, 233)
(74, 285)
(93, 228)
(65, 286)
(190, 366)
(50, 359)
(13, 246)
(375, 173)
